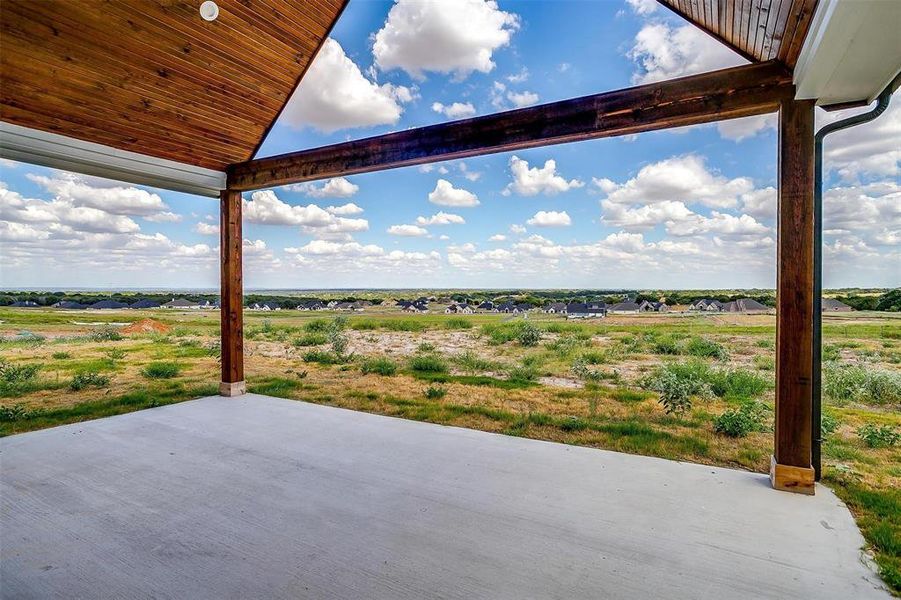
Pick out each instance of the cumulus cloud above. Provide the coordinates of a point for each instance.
(206, 229)
(522, 99)
(345, 209)
(746, 127)
(62, 215)
(334, 94)
(679, 179)
(643, 7)
(451, 36)
(407, 230)
(550, 218)
(544, 180)
(337, 187)
(456, 110)
(661, 52)
(265, 208)
(350, 257)
(498, 237)
(517, 229)
(445, 194)
(107, 196)
(441, 218)
(871, 149)
(645, 217)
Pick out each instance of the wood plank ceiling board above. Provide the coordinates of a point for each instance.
(152, 77)
(758, 30)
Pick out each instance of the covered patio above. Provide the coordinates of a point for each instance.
(249, 496)
(259, 497)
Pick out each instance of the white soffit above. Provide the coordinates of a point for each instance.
(60, 152)
(852, 51)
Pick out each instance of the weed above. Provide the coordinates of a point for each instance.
(879, 436)
(381, 366)
(161, 370)
(457, 323)
(426, 347)
(88, 379)
(574, 424)
(471, 362)
(737, 383)
(317, 326)
(310, 339)
(107, 333)
(529, 335)
(860, 384)
(434, 392)
(321, 357)
(765, 362)
(18, 373)
(428, 363)
(742, 421)
(61, 355)
(828, 425)
(15, 412)
(581, 370)
(706, 348)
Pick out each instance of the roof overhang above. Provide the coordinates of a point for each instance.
(61, 152)
(852, 52)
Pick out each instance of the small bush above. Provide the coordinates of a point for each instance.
(524, 373)
(18, 373)
(317, 326)
(380, 366)
(581, 370)
(88, 379)
(119, 354)
(765, 362)
(471, 362)
(677, 383)
(828, 425)
(529, 335)
(434, 392)
(595, 357)
(860, 384)
(831, 352)
(667, 344)
(61, 355)
(706, 348)
(428, 363)
(336, 337)
(879, 436)
(161, 370)
(16, 412)
(742, 421)
(321, 357)
(310, 339)
(737, 383)
(765, 343)
(107, 333)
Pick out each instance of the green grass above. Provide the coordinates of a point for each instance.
(471, 362)
(161, 370)
(280, 387)
(310, 339)
(862, 384)
(428, 363)
(381, 366)
(479, 380)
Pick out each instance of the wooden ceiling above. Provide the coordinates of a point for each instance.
(151, 76)
(759, 30)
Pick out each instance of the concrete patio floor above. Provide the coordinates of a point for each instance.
(258, 497)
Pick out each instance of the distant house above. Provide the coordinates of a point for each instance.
(145, 303)
(68, 305)
(417, 307)
(25, 304)
(487, 306)
(108, 304)
(311, 305)
(181, 303)
(647, 306)
(624, 307)
(207, 305)
(744, 305)
(586, 310)
(458, 309)
(555, 308)
(833, 305)
(706, 304)
(349, 306)
(510, 307)
(267, 305)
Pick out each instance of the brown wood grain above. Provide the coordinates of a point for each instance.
(729, 93)
(231, 286)
(155, 78)
(794, 284)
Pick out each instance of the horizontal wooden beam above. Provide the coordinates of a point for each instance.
(737, 92)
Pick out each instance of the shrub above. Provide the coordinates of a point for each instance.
(595, 357)
(336, 337)
(581, 370)
(765, 362)
(667, 344)
(767, 343)
(434, 392)
(677, 383)
(13, 413)
(828, 425)
(381, 366)
(107, 333)
(737, 383)
(566, 344)
(428, 363)
(524, 373)
(471, 362)
(310, 339)
(364, 325)
(879, 436)
(860, 384)
(317, 326)
(88, 379)
(18, 373)
(61, 355)
(831, 352)
(321, 357)
(119, 354)
(706, 348)
(161, 370)
(742, 421)
(529, 335)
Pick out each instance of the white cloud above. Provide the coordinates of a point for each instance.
(564, 67)
(662, 52)
(265, 208)
(643, 217)
(643, 7)
(428, 168)
(107, 196)
(206, 229)
(550, 218)
(441, 218)
(544, 180)
(726, 225)
(337, 187)
(334, 94)
(407, 230)
(498, 237)
(469, 175)
(868, 149)
(457, 110)
(451, 36)
(678, 179)
(760, 203)
(520, 77)
(522, 99)
(517, 229)
(746, 127)
(62, 215)
(345, 209)
(445, 194)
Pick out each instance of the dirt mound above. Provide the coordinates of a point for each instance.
(146, 326)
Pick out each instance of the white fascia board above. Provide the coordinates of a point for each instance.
(851, 52)
(57, 151)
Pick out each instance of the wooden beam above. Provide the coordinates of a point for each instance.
(725, 94)
(231, 291)
(791, 468)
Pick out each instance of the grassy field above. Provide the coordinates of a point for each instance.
(686, 387)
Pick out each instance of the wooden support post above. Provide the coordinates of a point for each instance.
(791, 468)
(231, 290)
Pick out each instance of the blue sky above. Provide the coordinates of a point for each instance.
(685, 208)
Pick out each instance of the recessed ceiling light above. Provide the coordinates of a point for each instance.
(209, 10)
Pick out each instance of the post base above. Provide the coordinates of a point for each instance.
(238, 388)
(787, 478)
